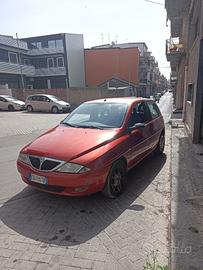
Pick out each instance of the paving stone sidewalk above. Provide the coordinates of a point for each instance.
(44, 231)
(186, 200)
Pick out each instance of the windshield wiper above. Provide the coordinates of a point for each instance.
(93, 127)
(70, 125)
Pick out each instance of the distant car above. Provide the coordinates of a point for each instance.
(11, 103)
(40, 102)
(94, 147)
(157, 96)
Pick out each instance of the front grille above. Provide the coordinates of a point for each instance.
(44, 164)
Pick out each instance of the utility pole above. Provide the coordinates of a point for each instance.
(20, 64)
(102, 37)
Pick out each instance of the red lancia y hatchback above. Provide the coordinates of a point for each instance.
(94, 147)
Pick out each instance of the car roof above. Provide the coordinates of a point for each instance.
(127, 100)
(6, 96)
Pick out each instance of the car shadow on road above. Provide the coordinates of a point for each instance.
(68, 221)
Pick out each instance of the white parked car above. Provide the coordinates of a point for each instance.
(40, 102)
(11, 103)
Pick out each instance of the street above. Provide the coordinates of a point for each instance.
(42, 231)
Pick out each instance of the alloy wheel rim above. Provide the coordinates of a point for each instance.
(117, 179)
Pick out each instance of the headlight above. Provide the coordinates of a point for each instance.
(24, 158)
(73, 168)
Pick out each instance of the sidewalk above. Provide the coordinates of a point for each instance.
(186, 199)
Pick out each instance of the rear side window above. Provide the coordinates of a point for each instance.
(153, 108)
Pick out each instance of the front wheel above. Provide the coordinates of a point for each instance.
(160, 146)
(29, 108)
(11, 108)
(54, 109)
(116, 180)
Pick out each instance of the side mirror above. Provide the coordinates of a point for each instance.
(138, 126)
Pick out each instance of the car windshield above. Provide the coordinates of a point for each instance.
(98, 115)
(11, 98)
(53, 98)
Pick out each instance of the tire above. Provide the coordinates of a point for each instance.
(29, 108)
(116, 180)
(54, 109)
(160, 146)
(10, 108)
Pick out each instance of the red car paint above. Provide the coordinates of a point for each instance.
(96, 149)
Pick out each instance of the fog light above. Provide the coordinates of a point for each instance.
(80, 189)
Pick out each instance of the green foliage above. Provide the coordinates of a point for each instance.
(151, 262)
(193, 229)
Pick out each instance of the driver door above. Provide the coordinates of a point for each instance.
(140, 141)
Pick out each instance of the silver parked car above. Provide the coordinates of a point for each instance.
(40, 102)
(11, 103)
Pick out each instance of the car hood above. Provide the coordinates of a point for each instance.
(62, 103)
(18, 102)
(67, 143)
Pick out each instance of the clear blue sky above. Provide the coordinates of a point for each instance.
(124, 20)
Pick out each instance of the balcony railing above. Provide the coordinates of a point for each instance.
(50, 71)
(6, 67)
(47, 50)
(173, 45)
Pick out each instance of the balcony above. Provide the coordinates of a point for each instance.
(174, 51)
(6, 67)
(44, 51)
(50, 71)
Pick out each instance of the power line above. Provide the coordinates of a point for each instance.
(154, 2)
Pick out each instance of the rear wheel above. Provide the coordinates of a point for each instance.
(116, 180)
(29, 108)
(160, 146)
(54, 109)
(11, 108)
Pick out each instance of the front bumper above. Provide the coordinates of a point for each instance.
(65, 183)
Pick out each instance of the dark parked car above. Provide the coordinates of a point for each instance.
(94, 147)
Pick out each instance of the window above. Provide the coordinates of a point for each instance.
(55, 43)
(51, 44)
(13, 58)
(37, 44)
(139, 114)
(60, 62)
(190, 92)
(36, 65)
(41, 64)
(59, 43)
(27, 62)
(154, 110)
(50, 62)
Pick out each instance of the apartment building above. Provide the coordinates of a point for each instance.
(52, 61)
(184, 50)
(131, 63)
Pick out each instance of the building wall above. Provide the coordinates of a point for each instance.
(180, 84)
(104, 64)
(192, 79)
(75, 60)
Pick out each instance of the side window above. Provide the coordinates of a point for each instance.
(2, 99)
(154, 110)
(139, 114)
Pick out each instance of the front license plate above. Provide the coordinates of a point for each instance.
(38, 179)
